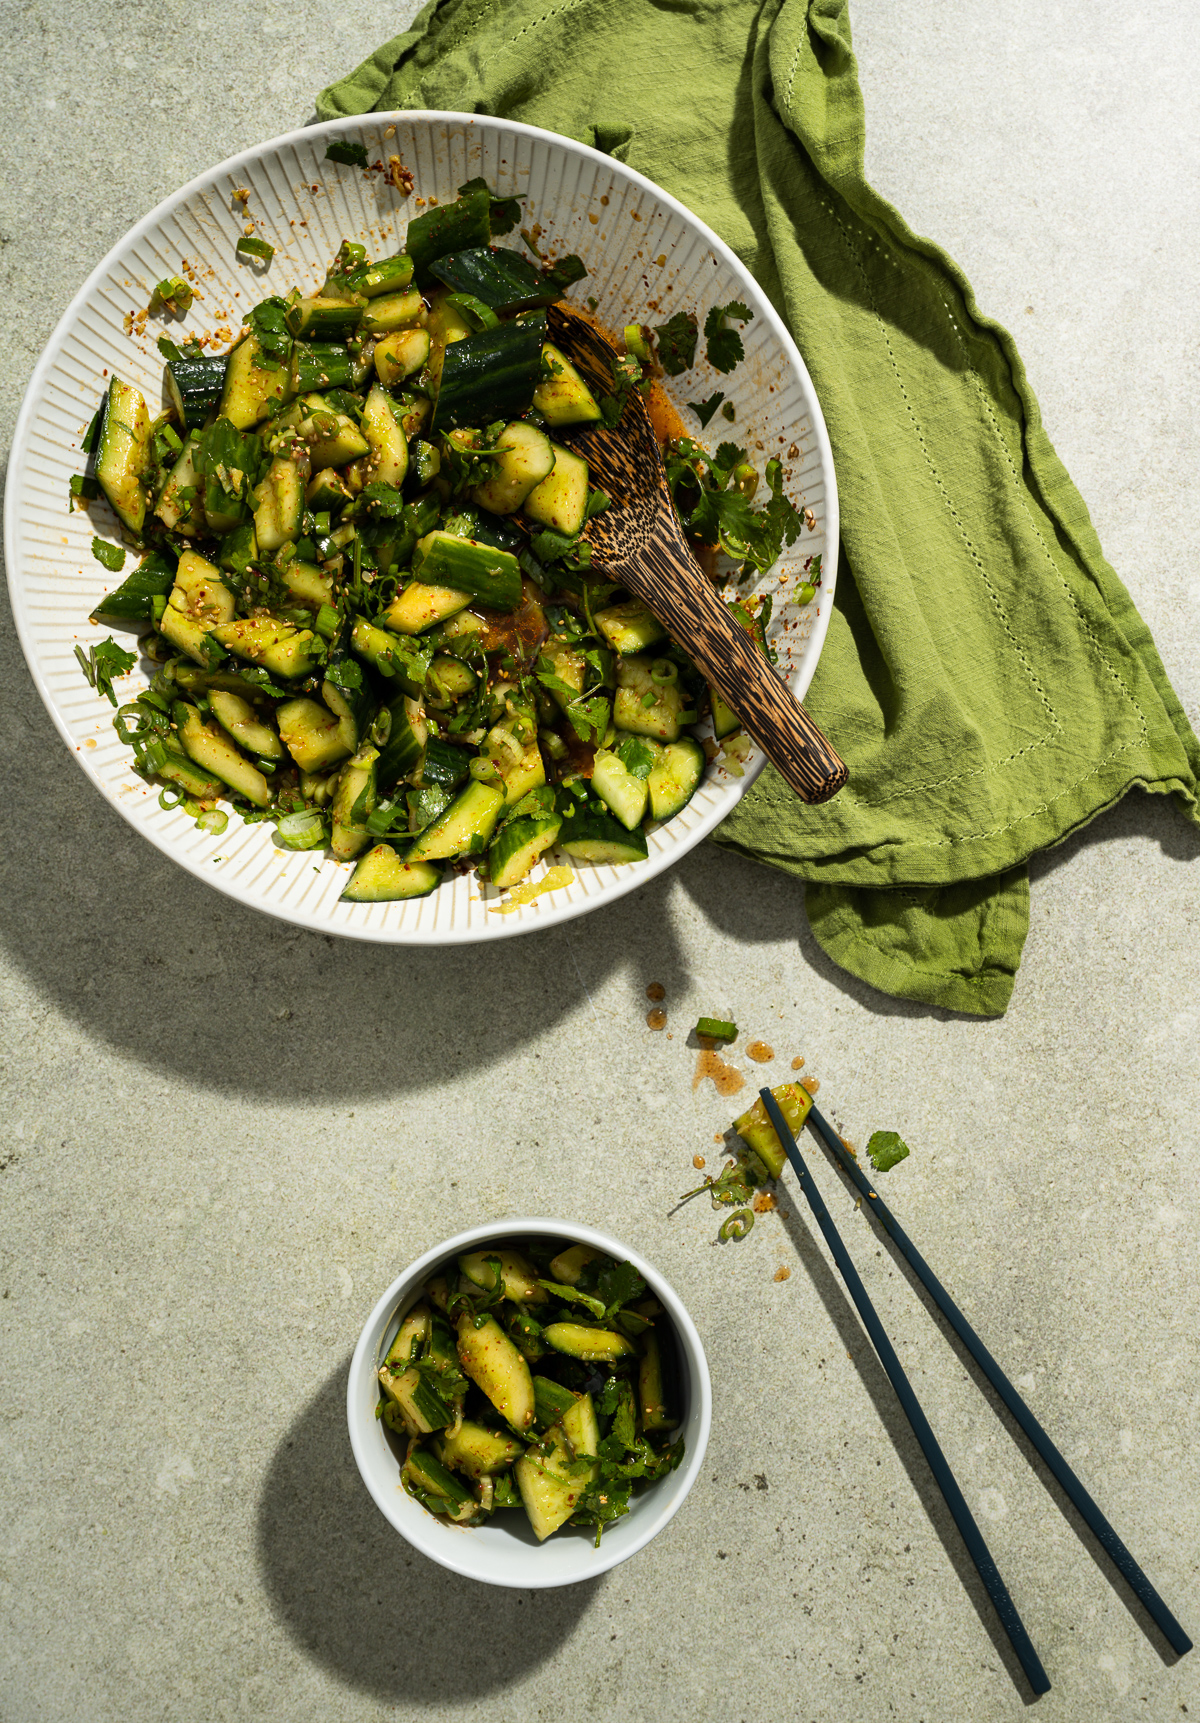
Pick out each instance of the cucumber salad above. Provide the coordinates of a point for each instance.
(532, 1376)
(363, 579)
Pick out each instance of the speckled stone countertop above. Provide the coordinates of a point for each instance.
(225, 1137)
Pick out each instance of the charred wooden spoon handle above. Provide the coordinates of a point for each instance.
(692, 612)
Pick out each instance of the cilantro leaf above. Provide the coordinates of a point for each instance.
(723, 346)
(677, 343)
(637, 756)
(572, 1295)
(504, 212)
(111, 555)
(704, 410)
(565, 272)
(350, 155)
(724, 518)
(886, 1148)
(618, 1285)
(102, 663)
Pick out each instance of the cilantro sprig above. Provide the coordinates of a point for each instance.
(723, 346)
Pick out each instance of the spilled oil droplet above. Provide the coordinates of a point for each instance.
(760, 1052)
(656, 991)
(656, 1019)
(726, 1078)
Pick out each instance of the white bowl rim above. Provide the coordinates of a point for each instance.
(553, 913)
(363, 1364)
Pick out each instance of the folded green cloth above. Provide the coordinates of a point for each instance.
(986, 676)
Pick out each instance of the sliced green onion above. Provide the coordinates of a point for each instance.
(717, 1029)
(636, 343)
(807, 593)
(250, 247)
(477, 314)
(175, 794)
(173, 440)
(174, 291)
(328, 622)
(213, 821)
(663, 671)
(306, 830)
(649, 700)
(737, 1226)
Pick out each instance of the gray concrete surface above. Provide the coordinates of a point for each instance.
(223, 1137)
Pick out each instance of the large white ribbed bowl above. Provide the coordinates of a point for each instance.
(646, 256)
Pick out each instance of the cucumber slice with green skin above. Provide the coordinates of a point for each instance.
(388, 275)
(122, 450)
(327, 490)
(623, 794)
(410, 1335)
(167, 762)
(593, 836)
(494, 1364)
(278, 504)
(517, 847)
(277, 646)
(758, 1133)
(250, 384)
(676, 778)
(323, 365)
(568, 1266)
(355, 791)
(312, 734)
(551, 1400)
(406, 738)
(489, 375)
(560, 501)
(519, 1276)
(392, 311)
(477, 1451)
(629, 627)
(333, 439)
(725, 720)
(421, 1407)
(216, 754)
(391, 657)
(401, 355)
(465, 828)
(643, 706)
(426, 1471)
(451, 227)
(552, 1484)
(523, 775)
(198, 602)
(322, 318)
(179, 512)
(526, 458)
(501, 279)
(307, 584)
(448, 680)
(244, 724)
(652, 1400)
(382, 876)
(349, 696)
(444, 764)
(133, 600)
(593, 1345)
(446, 325)
(194, 387)
(480, 570)
(387, 462)
(562, 397)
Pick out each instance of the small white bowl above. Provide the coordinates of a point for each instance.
(505, 1551)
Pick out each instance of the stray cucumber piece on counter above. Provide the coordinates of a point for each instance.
(758, 1133)
(717, 1029)
(885, 1149)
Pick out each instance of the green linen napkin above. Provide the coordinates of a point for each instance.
(986, 676)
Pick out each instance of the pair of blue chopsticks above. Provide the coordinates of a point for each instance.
(1124, 1563)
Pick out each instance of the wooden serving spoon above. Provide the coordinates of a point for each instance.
(639, 542)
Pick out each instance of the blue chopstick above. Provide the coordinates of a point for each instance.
(996, 1589)
(1088, 1511)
